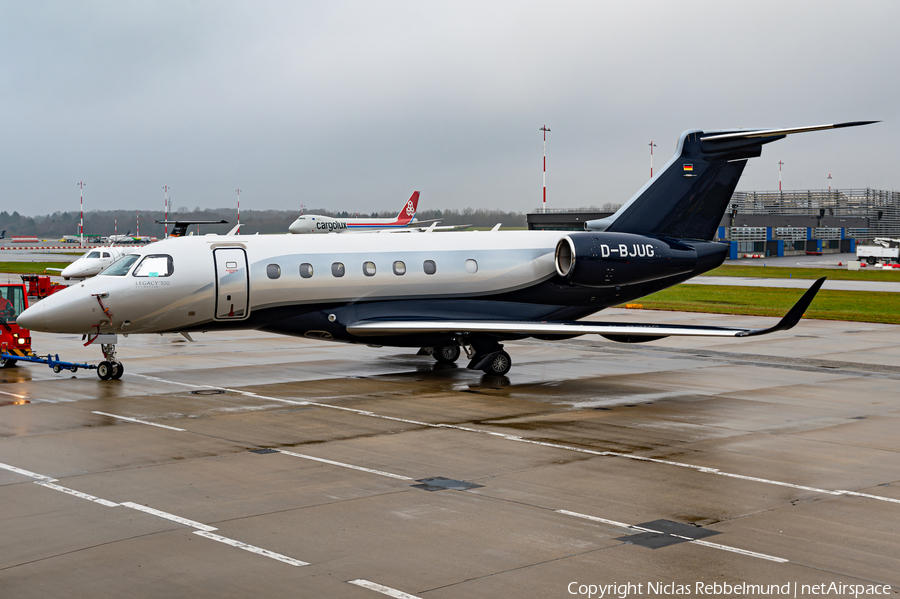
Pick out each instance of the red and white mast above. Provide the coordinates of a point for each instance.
(81, 221)
(544, 129)
(779, 174)
(652, 145)
(166, 230)
(239, 209)
(138, 221)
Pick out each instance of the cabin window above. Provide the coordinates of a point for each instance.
(430, 267)
(154, 265)
(471, 266)
(337, 269)
(369, 269)
(273, 271)
(399, 268)
(120, 267)
(306, 270)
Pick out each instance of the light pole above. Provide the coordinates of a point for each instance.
(779, 175)
(545, 129)
(829, 182)
(652, 145)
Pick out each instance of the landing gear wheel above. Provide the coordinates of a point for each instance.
(104, 370)
(447, 354)
(499, 364)
(118, 370)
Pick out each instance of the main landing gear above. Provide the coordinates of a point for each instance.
(485, 355)
(109, 368)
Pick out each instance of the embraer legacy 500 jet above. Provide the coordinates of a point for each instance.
(438, 291)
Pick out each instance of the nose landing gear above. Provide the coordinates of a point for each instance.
(110, 368)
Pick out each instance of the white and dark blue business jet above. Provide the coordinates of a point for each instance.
(442, 292)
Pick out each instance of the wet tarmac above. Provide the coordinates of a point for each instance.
(253, 465)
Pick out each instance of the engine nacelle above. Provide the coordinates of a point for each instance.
(615, 259)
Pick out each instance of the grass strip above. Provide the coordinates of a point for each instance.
(855, 306)
(21, 268)
(782, 272)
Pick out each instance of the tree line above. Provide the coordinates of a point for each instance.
(143, 222)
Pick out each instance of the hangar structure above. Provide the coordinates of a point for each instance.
(780, 223)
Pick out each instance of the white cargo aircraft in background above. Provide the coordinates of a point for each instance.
(315, 223)
(439, 292)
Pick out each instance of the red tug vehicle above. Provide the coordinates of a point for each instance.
(14, 340)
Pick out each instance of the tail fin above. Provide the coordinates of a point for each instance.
(409, 210)
(689, 197)
(3, 234)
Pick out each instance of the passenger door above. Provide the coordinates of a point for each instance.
(232, 284)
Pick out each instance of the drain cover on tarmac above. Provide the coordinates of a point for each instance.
(208, 392)
(439, 483)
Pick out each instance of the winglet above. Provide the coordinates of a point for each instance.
(794, 314)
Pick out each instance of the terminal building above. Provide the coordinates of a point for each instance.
(780, 223)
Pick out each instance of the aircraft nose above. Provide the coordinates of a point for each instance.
(62, 312)
(32, 318)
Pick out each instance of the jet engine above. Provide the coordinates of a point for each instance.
(616, 259)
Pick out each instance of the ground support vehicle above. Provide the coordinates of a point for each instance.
(15, 341)
(40, 286)
(885, 250)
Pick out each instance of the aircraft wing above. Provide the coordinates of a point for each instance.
(56, 269)
(629, 332)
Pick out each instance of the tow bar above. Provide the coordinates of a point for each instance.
(52, 361)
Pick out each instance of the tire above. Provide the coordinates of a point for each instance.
(74, 369)
(499, 365)
(57, 369)
(118, 371)
(7, 362)
(446, 354)
(871, 260)
(104, 370)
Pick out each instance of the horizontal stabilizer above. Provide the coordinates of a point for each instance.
(370, 328)
(751, 133)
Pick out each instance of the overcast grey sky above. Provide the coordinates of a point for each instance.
(353, 105)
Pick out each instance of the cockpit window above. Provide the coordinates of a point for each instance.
(120, 267)
(12, 303)
(155, 265)
(93, 255)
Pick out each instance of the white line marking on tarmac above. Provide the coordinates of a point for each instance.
(251, 548)
(171, 428)
(168, 516)
(343, 465)
(28, 473)
(703, 469)
(380, 588)
(76, 493)
(14, 395)
(246, 393)
(771, 558)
